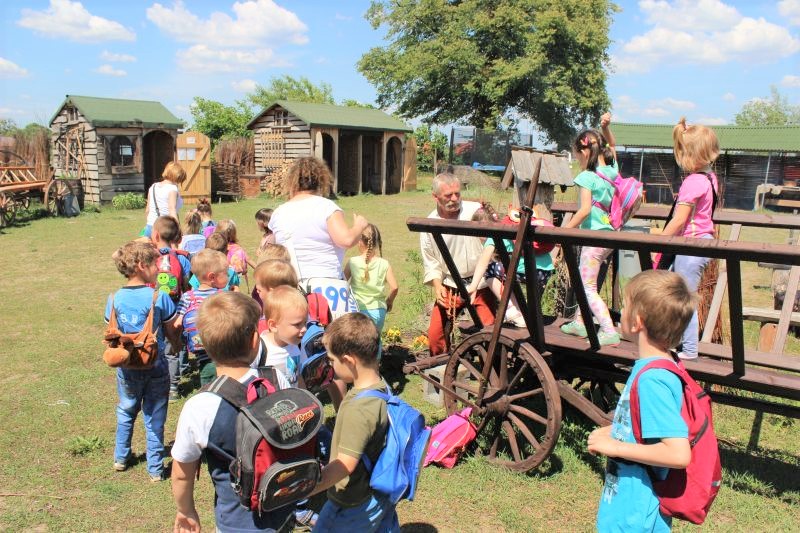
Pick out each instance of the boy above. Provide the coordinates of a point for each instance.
(227, 324)
(286, 311)
(211, 269)
(145, 390)
(657, 307)
(361, 426)
(173, 273)
(269, 274)
(218, 242)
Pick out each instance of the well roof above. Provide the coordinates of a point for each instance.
(338, 116)
(116, 112)
(734, 138)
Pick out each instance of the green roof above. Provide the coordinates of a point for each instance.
(114, 112)
(360, 118)
(735, 138)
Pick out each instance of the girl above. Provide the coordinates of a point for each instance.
(370, 275)
(204, 208)
(237, 257)
(193, 240)
(164, 197)
(263, 217)
(696, 148)
(596, 155)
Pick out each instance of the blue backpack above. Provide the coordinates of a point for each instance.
(191, 335)
(316, 370)
(396, 471)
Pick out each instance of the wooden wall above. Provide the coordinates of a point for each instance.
(296, 135)
(66, 121)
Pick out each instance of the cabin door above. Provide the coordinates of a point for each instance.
(194, 155)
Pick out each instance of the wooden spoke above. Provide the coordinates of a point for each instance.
(512, 440)
(525, 430)
(528, 414)
(526, 394)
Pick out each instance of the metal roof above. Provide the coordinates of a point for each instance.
(734, 138)
(115, 112)
(555, 167)
(338, 116)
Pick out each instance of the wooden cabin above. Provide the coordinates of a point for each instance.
(112, 145)
(364, 148)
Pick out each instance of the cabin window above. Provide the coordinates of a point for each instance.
(281, 118)
(72, 114)
(122, 150)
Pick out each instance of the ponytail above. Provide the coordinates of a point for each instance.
(371, 238)
(597, 145)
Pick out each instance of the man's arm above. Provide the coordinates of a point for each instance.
(431, 264)
(183, 475)
(335, 471)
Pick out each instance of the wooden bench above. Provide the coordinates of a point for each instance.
(764, 314)
(235, 195)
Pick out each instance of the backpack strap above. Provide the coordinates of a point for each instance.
(148, 323)
(598, 204)
(372, 393)
(229, 390)
(112, 317)
(674, 366)
(153, 197)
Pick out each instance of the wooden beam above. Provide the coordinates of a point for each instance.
(719, 292)
(788, 306)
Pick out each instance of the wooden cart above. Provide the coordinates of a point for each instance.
(516, 379)
(18, 182)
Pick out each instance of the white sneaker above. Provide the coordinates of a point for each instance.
(686, 356)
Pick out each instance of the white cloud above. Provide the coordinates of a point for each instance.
(729, 97)
(790, 9)
(9, 69)
(244, 86)
(701, 32)
(256, 23)
(677, 104)
(201, 58)
(109, 70)
(655, 112)
(791, 81)
(72, 21)
(8, 111)
(711, 121)
(339, 16)
(664, 107)
(116, 58)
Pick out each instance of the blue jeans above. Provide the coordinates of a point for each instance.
(691, 268)
(148, 391)
(378, 316)
(375, 515)
(178, 364)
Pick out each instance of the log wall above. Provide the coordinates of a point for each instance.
(296, 136)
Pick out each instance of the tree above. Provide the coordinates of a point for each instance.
(218, 121)
(289, 88)
(479, 62)
(7, 126)
(349, 102)
(773, 111)
(430, 142)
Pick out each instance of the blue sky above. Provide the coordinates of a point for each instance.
(699, 58)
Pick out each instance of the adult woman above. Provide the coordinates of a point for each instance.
(164, 197)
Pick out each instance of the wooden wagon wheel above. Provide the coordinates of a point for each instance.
(8, 209)
(54, 196)
(603, 393)
(519, 421)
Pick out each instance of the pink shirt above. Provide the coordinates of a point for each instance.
(696, 192)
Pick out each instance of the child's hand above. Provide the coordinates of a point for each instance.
(601, 442)
(605, 120)
(472, 290)
(186, 523)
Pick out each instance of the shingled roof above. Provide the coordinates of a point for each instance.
(116, 112)
(734, 138)
(338, 116)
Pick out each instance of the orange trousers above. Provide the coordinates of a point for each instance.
(441, 324)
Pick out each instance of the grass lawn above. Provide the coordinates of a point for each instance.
(57, 401)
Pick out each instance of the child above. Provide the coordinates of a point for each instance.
(595, 153)
(657, 307)
(211, 269)
(207, 423)
(696, 149)
(263, 216)
(361, 426)
(204, 208)
(193, 240)
(270, 274)
(237, 257)
(286, 311)
(218, 242)
(370, 275)
(145, 390)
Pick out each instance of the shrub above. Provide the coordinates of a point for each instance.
(129, 200)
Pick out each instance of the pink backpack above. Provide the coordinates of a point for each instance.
(449, 438)
(686, 493)
(628, 193)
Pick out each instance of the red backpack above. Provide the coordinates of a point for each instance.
(170, 274)
(686, 493)
(627, 198)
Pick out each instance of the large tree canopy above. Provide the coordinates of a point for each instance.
(773, 111)
(480, 61)
(220, 121)
(288, 88)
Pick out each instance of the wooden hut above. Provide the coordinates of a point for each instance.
(364, 148)
(112, 145)
(519, 173)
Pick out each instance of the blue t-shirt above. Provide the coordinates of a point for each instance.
(602, 192)
(132, 305)
(233, 280)
(628, 502)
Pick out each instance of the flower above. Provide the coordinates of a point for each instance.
(392, 336)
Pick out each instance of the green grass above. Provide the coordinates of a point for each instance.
(57, 401)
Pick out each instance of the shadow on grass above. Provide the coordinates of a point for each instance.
(769, 473)
(418, 527)
(392, 361)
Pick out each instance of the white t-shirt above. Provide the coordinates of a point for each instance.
(286, 359)
(197, 417)
(302, 226)
(161, 192)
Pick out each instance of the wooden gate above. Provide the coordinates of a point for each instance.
(193, 152)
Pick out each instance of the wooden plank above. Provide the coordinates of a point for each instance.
(735, 310)
(756, 357)
(719, 292)
(764, 314)
(788, 306)
(582, 404)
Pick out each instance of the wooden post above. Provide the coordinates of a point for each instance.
(383, 156)
(360, 164)
(410, 165)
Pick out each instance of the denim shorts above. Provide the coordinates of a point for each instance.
(376, 514)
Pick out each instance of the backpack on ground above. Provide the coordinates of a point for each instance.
(686, 493)
(131, 350)
(276, 442)
(191, 334)
(170, 274)
(449, 438)
(316, 370)
(627, 198)
(397, 469)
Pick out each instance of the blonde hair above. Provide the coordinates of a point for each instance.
(274, 251)
(227, 227)
(168, 229)
(174, 172)
(193, 223)
(353, 334)
(695, 147)
(128, 256)
(663, 302)
(227, 322)
(308, 174)
(218, 242)
(281, 299)
(371, 238)
(274, 273)
(207, 261)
